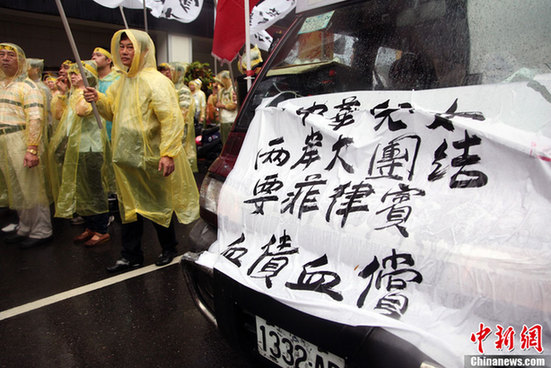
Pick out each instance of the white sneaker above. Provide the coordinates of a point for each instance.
(10, 228)
(111, 219)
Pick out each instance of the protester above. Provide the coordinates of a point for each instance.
(153, 177)
(79, 151)
(107, 75)
(226, 104)
(59, 99)
(200, 101)
(212, 110)
(63, 83)
(175, 71)
(22, 175)
(49, 80)
(58, 106)
(35, 67)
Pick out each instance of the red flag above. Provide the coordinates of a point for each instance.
(229, 29)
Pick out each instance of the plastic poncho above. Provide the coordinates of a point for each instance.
(225, 96)
(59, 98)
(212, 110)
(79, 156)
(187, 105)
(38, 64)
(21, 125)
(200, 102)
(147, 124)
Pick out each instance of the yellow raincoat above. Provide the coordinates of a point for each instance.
(36, 67)
(147, 124)
(21, 125)
(225, 96)
(187, 105)
(79, 157)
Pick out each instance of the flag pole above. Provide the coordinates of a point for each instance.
(77, 57)
(123, 17)
(248, 45)
(145, 16)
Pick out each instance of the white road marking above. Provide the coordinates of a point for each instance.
(12, 312)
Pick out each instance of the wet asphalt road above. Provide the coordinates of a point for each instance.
(60, 308)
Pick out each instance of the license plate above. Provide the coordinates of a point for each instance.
(290, 351)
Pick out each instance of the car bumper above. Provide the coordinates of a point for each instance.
(234, 307)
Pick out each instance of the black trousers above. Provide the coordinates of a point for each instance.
(97, 223)
(132, 239)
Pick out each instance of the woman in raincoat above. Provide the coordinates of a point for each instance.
(153, 176)
(79, 157)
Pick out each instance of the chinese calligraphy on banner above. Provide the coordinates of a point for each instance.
(422, 212)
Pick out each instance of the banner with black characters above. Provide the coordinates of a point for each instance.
(426, 213)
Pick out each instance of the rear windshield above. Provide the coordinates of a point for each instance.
(405, 45)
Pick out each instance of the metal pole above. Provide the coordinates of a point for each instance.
(123, 17)
(248, 45)
(77, 57)
(145, 16)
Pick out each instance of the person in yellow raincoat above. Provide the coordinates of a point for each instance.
(35, 70)
(200, 102)
(176, 71)
(106, 74)
(79, 156)
(226, 103)
(212, 110)
(49, 80)
(152, 174)
(60, 97)
(22, 176)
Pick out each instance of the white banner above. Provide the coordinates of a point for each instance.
(268, 12)
(184, 11)
(426, 213)
(265, 15)
(262, 39)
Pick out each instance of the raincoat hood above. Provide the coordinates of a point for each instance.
(21, 62)
(36, 63)
(178, 73)
(144, 52)
(224, 79)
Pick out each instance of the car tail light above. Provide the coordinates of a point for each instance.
(208, 200)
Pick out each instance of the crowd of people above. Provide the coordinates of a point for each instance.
(117, 126)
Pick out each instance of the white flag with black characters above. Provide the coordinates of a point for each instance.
(185, 11)
(262, 39)
(265, 15)
(269, 12)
